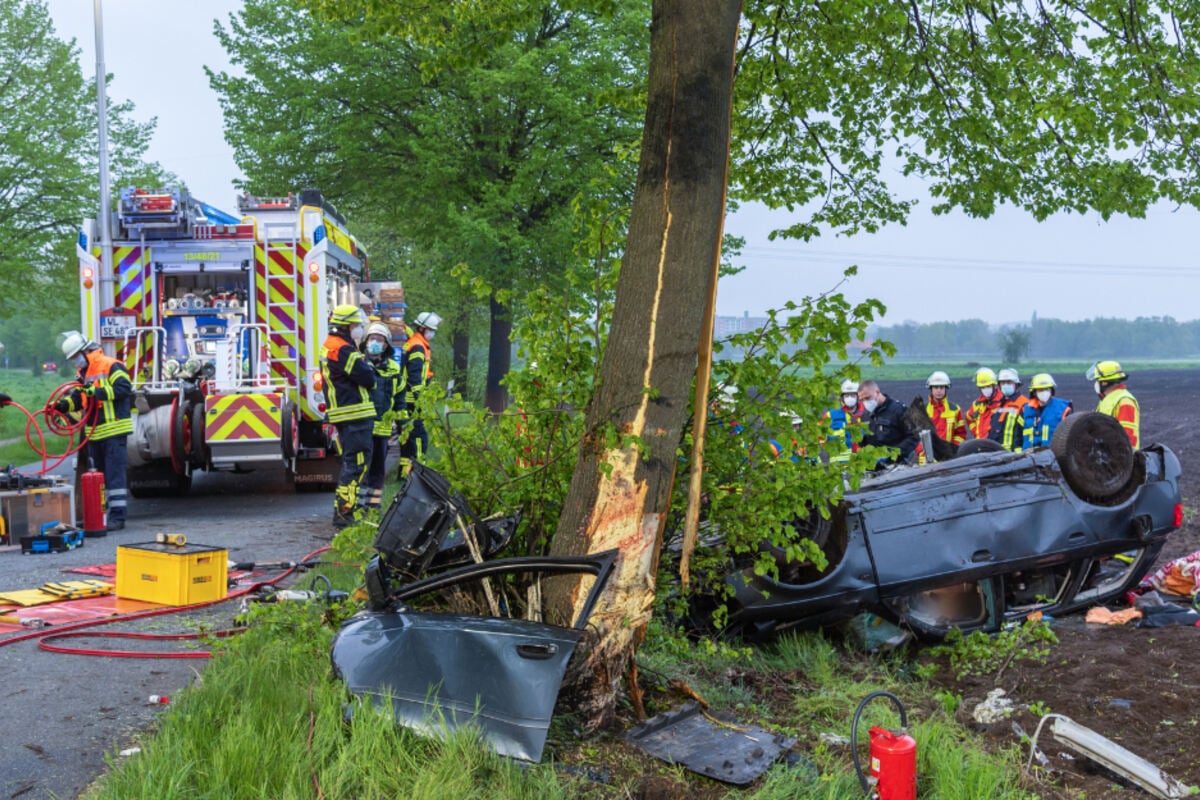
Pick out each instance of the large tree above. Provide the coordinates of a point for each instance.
(471, 146)
(1048, 106)
(48, 158)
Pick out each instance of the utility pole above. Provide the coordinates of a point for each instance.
(106, 264)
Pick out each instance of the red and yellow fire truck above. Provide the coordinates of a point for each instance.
(220, 320)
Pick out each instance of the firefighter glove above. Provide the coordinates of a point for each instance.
(62, 406)
(89, 390)
(4, 399)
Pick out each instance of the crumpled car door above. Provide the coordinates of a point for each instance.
(442, 671)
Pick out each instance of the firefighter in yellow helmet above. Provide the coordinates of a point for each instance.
(1108, 379)
(349, 379)
(1044, 411)
(979, 415)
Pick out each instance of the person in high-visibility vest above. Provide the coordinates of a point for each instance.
(979, 415)
(1108, 380)
(1008, 419)
(349, 379)
(947, 417)
(106, 397)
(387, 395)
(418, 367)
(1043, 412)
(848, 411)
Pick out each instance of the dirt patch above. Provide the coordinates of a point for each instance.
(1136, 686)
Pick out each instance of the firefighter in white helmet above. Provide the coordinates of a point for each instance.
(1008, 419)
(388, 397)
(948, 420)
(418, 368)
(1043, 412)
(979, 415)
(106, 396)
(349, 378)
(1108, 379)
(840, 418)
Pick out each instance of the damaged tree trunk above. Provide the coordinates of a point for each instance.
(622, 482)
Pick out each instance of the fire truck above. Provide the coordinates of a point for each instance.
(220, 321)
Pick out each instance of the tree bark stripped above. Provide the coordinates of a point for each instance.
(620, 491)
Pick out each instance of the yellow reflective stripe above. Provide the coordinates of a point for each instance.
(107, 430)
(352, 412)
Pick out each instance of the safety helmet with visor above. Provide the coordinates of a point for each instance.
(428, 320)
(985, 377)
(937, 378)
(74, 345)
(849, 393)
(1106, 371)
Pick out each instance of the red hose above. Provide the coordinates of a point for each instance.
(56, 422)
(66, 631)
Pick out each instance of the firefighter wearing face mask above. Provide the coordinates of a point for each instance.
(1108, 381)
(1043, 412)
(387, 395)
(106, 397)
(418, 367)
(1008, 419)
(979, 415)
(839, 422)
(349, 379)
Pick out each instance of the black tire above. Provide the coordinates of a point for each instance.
(972, 446)
(1095, 457)
(199, 454)
(289, 434)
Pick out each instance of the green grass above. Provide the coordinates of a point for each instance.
(962, 369)
(31, 391)
(266, 720)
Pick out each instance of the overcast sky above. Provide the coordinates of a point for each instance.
(947, 268)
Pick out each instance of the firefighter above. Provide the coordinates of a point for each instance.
(1008, 419)
(948, 420)
(387, 395)
(105, 395)
(349, 378)
(840, 418)
(1043, 412)
(418, 368)
(979, 415)
(886, 426)
(1108, 380)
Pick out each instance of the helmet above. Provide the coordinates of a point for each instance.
(348, 314)
(428, 319)
(1106, 371)
(1043, 380)
(938, 378)
(75, 343)
(849, 387)
(984, 377)
(379, 329)
(1009, 374)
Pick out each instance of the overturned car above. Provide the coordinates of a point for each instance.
(979, 539)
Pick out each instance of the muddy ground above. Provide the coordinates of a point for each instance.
(1139, 687)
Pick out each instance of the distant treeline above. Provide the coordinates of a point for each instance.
(1144, 337)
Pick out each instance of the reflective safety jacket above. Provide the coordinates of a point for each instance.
(1007, 425)
(979, 415)
(387, 395)
(948, 420)
(839, 422)
(349, 378)
(1040, 421)
(418, 366)
(1120, 403)
(105, 395)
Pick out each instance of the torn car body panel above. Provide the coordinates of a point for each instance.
(441, 671)
(1005, 526)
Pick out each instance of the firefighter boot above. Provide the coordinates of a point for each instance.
(346, 508)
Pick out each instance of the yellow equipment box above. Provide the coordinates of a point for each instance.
(171, 574)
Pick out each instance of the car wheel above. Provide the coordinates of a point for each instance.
(972, 446)
(1095, 457)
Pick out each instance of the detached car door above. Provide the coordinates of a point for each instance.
(441, 671)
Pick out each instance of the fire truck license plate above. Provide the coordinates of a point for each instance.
(114, 327)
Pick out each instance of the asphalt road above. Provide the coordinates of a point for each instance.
(61, 713)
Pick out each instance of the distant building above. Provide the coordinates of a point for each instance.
(724, 327)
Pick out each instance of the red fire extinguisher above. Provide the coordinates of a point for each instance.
(893, 771)
(91, 487)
